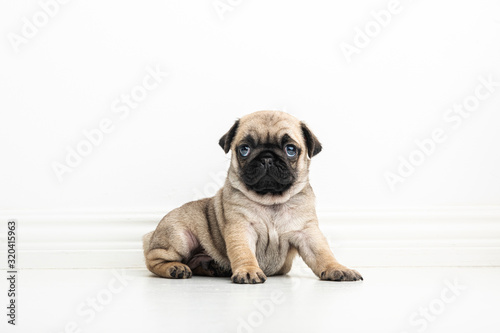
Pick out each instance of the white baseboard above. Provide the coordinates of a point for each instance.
(467, 236)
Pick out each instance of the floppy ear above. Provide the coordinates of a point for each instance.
(227, 139)
(312, 142)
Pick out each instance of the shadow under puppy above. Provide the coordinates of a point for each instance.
(259, 220)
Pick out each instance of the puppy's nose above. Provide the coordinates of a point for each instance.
(267, 160)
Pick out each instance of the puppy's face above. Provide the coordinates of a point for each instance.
(268, 166)
(271, 152)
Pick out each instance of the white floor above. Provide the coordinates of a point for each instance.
(388, 300)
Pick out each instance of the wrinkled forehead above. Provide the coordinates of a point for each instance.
(270, 131)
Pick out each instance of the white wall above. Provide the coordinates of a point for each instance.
(69, 76)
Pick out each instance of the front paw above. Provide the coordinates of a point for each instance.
(340, 273)
(248, 274)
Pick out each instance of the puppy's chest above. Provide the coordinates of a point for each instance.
(277, 222)
(270, 235)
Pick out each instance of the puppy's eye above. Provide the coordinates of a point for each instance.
(244, 150)
(291, 150)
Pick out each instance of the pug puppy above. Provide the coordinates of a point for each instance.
(261, 218)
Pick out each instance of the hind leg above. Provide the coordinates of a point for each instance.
(167, 264)
(164, 256)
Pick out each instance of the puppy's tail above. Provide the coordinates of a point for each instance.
(146, 240)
